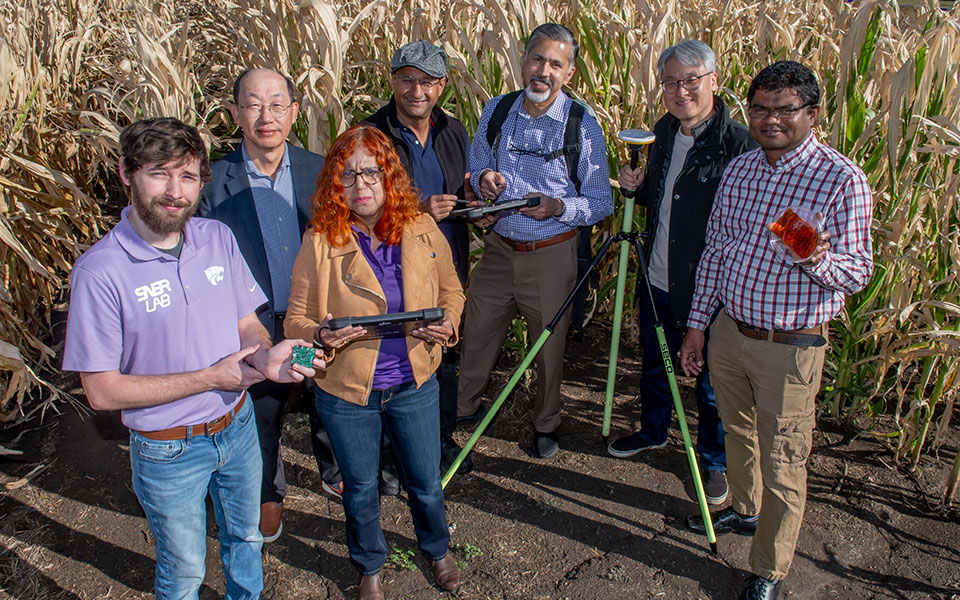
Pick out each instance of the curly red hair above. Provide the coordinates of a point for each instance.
(331, 213)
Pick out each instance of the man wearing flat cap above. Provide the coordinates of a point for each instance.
(433, 148)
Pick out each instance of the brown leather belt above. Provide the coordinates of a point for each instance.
(814, 336)
(180, 433)
(531, 246)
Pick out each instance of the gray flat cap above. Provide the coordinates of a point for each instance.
(422, 55)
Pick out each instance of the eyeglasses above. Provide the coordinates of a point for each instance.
(784, 113)
(527, 151)
(426, 84)
(690, 84)
(276, 109)
(369, 176)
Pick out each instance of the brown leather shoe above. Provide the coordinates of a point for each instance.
(271, 523)
(445, 573)
(369, 588)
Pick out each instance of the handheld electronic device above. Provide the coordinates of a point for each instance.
(390, 325)
(475, 212)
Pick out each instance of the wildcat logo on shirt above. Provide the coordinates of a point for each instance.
(214, 274)
(154, 295)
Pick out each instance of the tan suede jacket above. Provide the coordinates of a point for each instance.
(339, 281)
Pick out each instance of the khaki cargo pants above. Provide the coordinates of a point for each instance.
(766, 395)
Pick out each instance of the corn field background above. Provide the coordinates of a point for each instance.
(73, 73)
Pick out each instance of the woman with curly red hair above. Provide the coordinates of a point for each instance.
(371, 251)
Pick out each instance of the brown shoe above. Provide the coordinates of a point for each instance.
(369, 588)
(445, 573)
(271, 524)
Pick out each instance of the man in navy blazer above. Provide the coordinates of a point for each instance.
(262, 191)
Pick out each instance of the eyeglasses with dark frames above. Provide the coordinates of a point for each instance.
(690, 83)
(370, 176)
(784, 113)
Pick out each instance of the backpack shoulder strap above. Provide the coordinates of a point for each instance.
(499, 115)
(571, 141)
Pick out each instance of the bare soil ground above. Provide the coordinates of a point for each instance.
(579, 526)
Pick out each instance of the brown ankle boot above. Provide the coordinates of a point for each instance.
(445, 573)
(369, 588)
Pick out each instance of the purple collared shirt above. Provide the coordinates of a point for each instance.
(141, 311)
(393, 364)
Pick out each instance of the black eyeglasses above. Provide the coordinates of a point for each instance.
(370, 176)
(784, 113)
(690, 83)
(527, 151)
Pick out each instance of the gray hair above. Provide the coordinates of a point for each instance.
(557, 33)
(689, 53)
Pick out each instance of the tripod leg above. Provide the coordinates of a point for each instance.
(681, 415)
(617, 317)
(518, 372)
(495, 407)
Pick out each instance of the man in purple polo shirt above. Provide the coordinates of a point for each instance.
(162, 325)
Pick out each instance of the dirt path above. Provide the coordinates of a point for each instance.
(581, 525)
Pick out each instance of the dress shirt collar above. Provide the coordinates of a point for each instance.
(794, 157)
(557, 111)
(251, 167)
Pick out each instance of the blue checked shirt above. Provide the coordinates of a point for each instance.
(276, 201)
(526, 173)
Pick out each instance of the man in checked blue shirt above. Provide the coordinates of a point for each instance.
(529, 261)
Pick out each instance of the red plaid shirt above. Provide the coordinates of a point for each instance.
(740, 270)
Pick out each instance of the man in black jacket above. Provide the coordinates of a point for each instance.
(433, 147)
(694, 143)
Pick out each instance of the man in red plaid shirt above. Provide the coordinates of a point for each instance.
(768, 343)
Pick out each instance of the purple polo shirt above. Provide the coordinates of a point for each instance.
(141, 311)
(393, 364)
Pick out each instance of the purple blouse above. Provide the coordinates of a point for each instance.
(393, 364)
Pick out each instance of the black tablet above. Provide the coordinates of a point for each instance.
(390, 325)
(475, 212)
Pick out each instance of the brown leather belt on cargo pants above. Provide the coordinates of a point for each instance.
(814, 336)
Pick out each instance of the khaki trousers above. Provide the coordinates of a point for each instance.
(766, 395)
(505, 282)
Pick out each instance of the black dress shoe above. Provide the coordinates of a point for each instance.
(725, 521)
(476, 416)
(546, 445)
(449, 451)
(389, 482)
(760, 588)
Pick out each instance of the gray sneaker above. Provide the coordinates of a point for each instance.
(715, 487)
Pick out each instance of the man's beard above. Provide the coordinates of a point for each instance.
(155, 217)
(538, 97)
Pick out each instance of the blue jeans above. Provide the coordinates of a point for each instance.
(172, 480)
(656, 401)
(410, 417)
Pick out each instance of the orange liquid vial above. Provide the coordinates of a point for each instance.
(796, 234)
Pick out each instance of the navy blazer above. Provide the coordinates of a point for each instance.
(228, 198)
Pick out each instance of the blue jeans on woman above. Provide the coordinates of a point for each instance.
(410, 416)
(656, 400)
(172, 479)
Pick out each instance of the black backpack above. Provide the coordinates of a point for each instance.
(571, 135)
